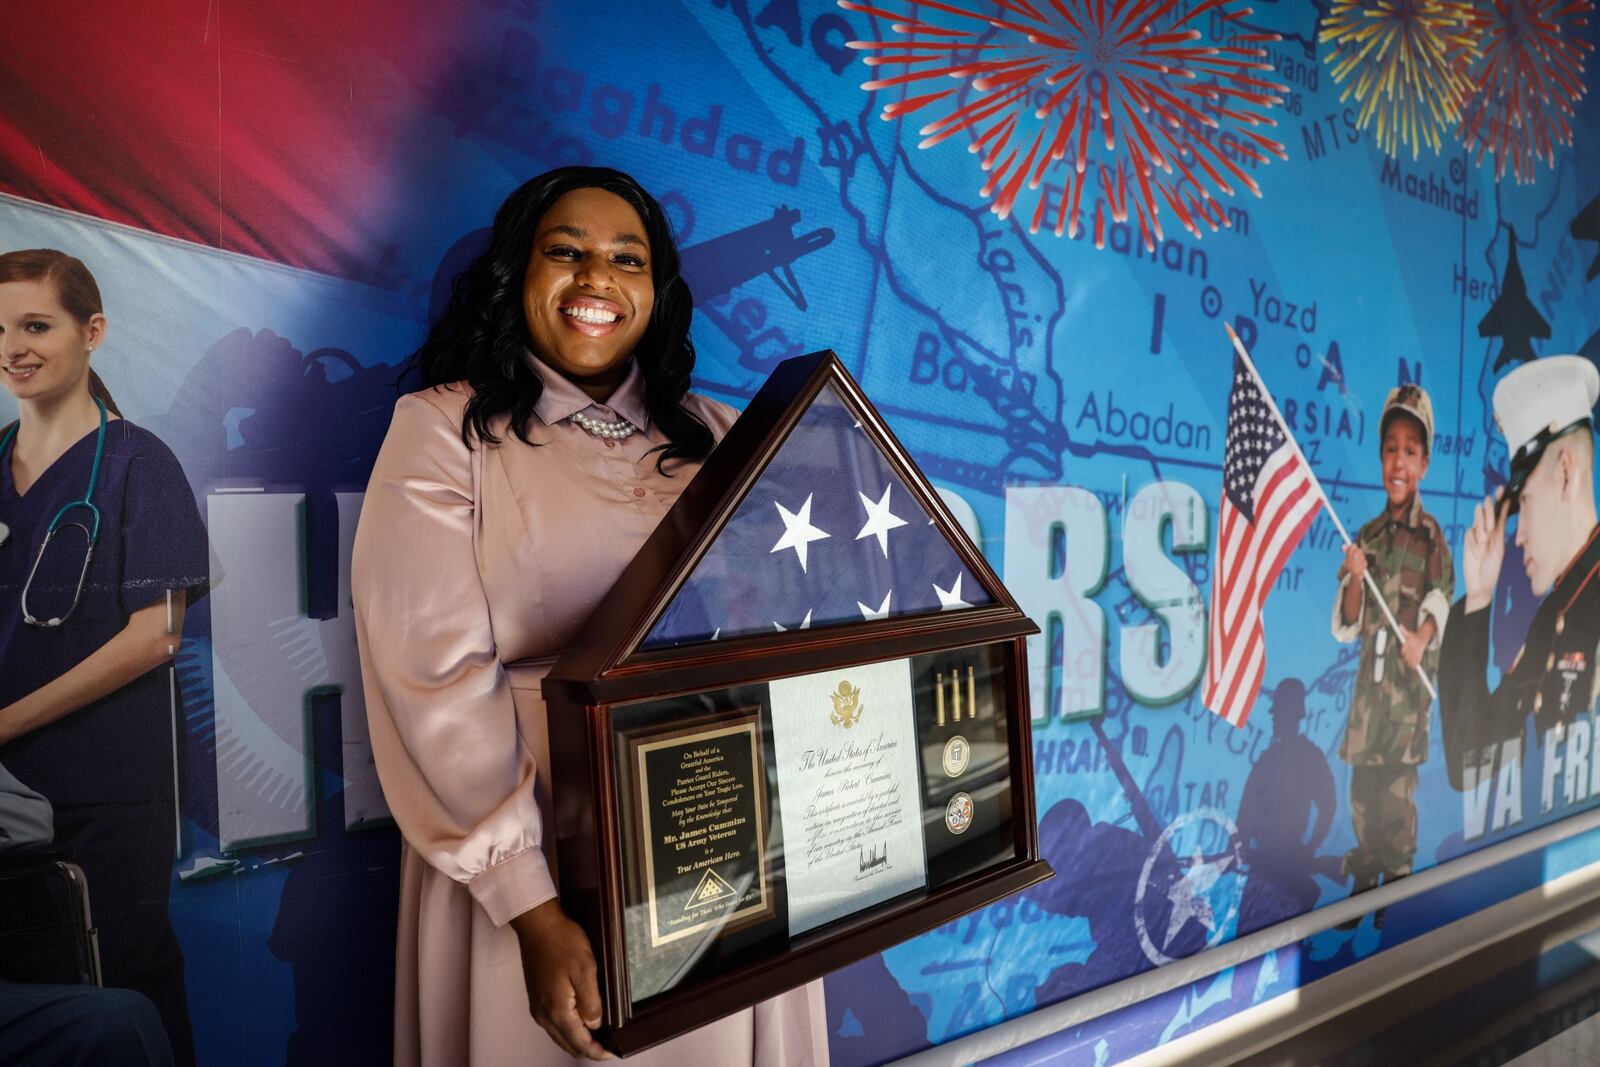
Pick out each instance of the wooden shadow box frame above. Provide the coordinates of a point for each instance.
(606, 665)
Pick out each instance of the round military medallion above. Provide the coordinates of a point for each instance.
(957, 754)
(958, 813)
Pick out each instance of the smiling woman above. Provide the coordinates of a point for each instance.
(588, 295)
(57, 311)
(592, 240)
(557, 430)
(87, 707)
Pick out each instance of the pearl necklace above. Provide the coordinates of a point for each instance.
(615, 431)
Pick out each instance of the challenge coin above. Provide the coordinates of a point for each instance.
(957, 754)
(958, 813)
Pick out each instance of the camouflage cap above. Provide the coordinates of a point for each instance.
(1413, 400)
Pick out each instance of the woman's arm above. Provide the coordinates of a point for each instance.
(142, 645)
(445, 737)
(449, 749)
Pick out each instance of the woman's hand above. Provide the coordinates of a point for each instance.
(559, 971)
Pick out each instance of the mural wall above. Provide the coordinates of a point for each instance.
(1024, 236)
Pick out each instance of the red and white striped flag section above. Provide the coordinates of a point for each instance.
(1269, 497)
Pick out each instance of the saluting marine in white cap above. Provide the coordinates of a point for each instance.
(1538, 404)
(1545, 410)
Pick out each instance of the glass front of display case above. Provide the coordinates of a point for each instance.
(758, 815)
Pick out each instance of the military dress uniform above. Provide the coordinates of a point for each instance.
(1553, 676)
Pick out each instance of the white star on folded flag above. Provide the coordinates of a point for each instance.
(820, 483)
(950, 599)
(805, 624)
(880, 520)
(798, 533)
(882, 612)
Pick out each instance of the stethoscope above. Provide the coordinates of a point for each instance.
(57, 525)
(93, 534)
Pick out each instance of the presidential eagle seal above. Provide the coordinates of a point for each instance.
(847, 709)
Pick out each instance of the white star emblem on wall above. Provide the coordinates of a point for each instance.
(1189, 894)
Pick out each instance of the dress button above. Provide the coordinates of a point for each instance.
(1538, 702)
(1561, 624)
(638, 492)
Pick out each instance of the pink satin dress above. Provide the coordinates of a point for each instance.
(467, 561)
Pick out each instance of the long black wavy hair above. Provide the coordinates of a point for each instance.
(482, 335)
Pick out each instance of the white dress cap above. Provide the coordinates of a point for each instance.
(1543, 397)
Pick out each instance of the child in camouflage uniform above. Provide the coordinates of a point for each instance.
(1387, 733)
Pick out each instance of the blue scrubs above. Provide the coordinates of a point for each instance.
(106, 767)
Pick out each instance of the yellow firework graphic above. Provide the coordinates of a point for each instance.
(1406, 62)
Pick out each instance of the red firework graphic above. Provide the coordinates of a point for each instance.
(1526, 82)
(1178, 115)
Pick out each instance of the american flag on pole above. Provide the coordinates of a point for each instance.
(1269, 497)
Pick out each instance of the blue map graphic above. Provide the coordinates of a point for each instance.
(1012, 366)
